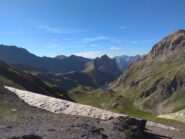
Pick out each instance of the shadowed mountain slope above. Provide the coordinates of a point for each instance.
(12, 77)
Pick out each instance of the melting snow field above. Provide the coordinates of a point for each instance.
(179, 116)
(62, 106)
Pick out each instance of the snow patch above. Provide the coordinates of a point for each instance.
(62, 106)
(179, 116)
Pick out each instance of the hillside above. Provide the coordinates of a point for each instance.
(156, 83)
(15, 55)
(68, 81)
(12, 77)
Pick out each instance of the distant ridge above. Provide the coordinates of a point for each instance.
(15, 55)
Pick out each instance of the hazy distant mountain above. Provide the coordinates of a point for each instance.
(15, 55)
(124, 61)
(157, 82)
(60, 57)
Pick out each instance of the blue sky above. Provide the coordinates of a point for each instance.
(89, 28)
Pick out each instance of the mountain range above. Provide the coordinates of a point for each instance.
(15, 55)
(97, 73)
(66, 72)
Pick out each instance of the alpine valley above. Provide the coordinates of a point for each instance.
(143, 92)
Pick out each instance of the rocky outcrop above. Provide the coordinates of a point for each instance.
(151, 89)
(173, 43)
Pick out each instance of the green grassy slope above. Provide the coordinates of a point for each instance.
(160, 83)
(110, 100)
(157, 82)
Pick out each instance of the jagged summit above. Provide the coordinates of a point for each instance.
(104, 57)
(61, 57)
(103, 69)
(174, 42)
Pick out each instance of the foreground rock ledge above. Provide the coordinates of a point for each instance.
(66, 107)
(62, 106)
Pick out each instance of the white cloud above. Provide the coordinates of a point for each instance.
(114, 48)
(92, 39)
(122, 27)
(60, 31)
(50, 29)
(93, 45)
(140, 41)
(89, 54)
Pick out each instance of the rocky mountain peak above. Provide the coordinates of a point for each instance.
(104, 62)
(61, 57)
(175, 42)
(103, 69)
(105, 57)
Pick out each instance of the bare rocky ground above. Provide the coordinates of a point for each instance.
(18, 119)
(161, 133)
